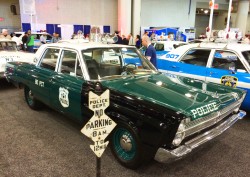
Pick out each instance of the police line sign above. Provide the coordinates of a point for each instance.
(100, 125)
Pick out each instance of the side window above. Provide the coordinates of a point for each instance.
(196, 57)
(226, 60)
(49, 37)
(36, 36)
(49, 59)
(159, 47)
(70, 64)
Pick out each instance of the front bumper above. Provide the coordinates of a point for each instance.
(163, 155)
(2, 75)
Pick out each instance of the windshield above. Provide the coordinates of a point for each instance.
(8, 46)
(106, 63)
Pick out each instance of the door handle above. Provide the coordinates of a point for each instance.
(213, 73)
(173, 66)
(51, 79)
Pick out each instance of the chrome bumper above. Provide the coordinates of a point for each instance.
(163, 155)
(2, 74)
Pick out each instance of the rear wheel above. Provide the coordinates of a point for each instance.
(126, 146)
(32, 102)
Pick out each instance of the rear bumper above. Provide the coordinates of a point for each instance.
(163, 155)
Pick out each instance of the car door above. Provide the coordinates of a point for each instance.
(66, 84)
(192, 64)
(40, 76)
(227, 69)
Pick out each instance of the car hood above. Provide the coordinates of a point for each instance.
(180, 94)
(17, 56)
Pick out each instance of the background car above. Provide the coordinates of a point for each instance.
(9, 53)
(222, 63)
(37, 35)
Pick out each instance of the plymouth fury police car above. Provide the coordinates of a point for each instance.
(8, 53)
(158, 116)
(222, 63)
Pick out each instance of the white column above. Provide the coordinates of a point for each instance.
(124, 16)
(136, 18)
(242, 14)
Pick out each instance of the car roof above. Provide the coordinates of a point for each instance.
(32, 32)
(5, 40)
(86, 45)
(169, 42)
(210, 45)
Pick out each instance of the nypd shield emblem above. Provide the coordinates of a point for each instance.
(230, 81)
(64, 97)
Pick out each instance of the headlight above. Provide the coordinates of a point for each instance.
(180, 135)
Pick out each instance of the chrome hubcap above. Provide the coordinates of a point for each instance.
(31, 95)
(125, 142)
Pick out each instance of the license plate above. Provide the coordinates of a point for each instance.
(241, 114)
(9, 59)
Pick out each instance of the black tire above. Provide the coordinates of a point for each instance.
(126, 145)
(32, 102)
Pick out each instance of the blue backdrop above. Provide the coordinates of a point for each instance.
(26, 27)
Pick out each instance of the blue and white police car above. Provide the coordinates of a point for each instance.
(224, 63)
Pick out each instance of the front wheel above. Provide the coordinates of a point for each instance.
(126, 146)
(32, 102)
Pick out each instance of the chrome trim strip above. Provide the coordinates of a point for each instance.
(202, 123)
(163, 155)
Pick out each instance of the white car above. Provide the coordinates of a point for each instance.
(37, 35)
(9, 53)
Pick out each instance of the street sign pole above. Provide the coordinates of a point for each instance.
(99, 126)
(98, 166)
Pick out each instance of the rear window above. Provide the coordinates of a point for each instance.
(246, 55)
(8, 46)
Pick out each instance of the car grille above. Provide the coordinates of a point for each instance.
(205, 122)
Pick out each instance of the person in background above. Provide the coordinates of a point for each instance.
(146, 33)
(124, 40)
(153, 36)
(43, 38)
(130, 39)
(150, 52)
(30, 42)
(138, 41)
(17, 40)
(24, 41)
(119, 41)
(245, 40)
(55, 38)
(79, 35)
(73, 36)
(87, 36)
(4, 34)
